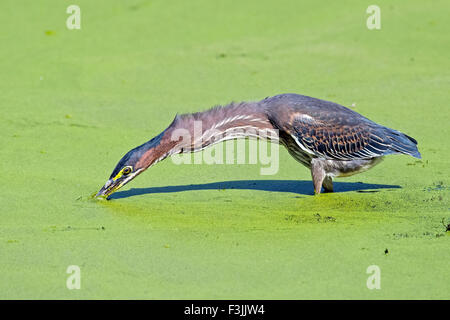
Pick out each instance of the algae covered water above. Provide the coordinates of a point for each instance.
(75, 101)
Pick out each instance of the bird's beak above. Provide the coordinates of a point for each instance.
(114, 184)
(110, 187)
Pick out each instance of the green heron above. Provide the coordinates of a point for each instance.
(328, 138)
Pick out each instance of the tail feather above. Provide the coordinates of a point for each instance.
(403, 143)
(410, 138)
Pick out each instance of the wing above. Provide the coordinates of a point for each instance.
(350, 140)
(329, 130)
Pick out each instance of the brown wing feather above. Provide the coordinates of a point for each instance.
(329, 130)
(335, 141)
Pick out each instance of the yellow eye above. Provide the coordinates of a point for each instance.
(127, 170)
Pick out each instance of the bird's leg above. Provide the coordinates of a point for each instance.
(318, 175)
(328, 184)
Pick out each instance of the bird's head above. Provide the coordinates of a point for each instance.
(126, 170)
(130, 166)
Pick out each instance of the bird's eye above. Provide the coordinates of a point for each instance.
(127, 170)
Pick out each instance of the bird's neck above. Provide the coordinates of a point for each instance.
(196, 131)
